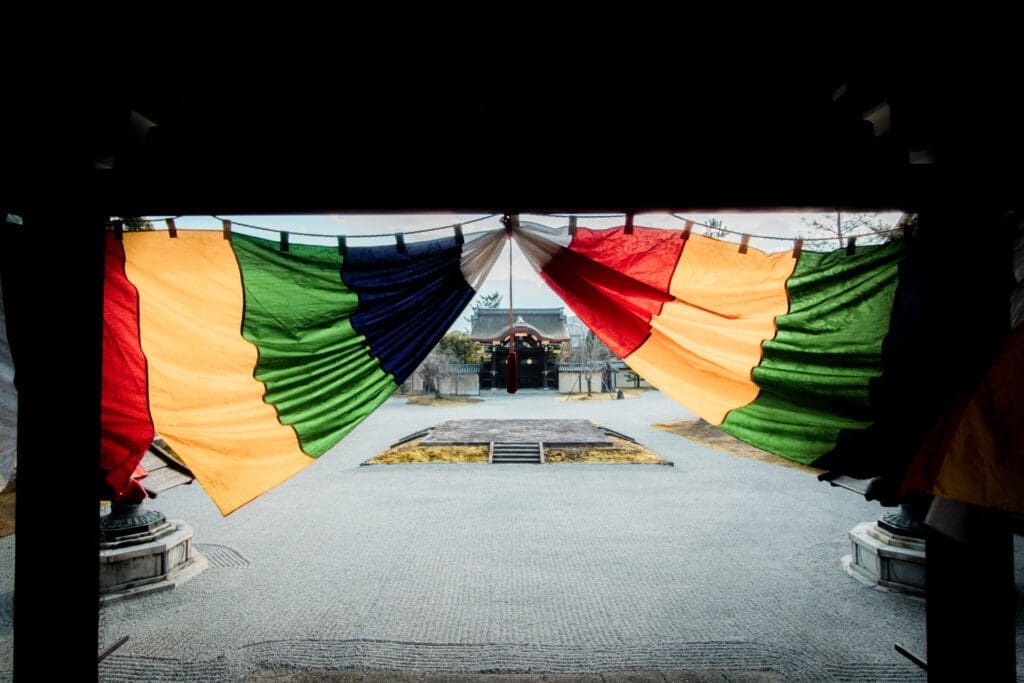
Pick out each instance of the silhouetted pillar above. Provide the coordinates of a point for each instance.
(52, 269)
(971, 599)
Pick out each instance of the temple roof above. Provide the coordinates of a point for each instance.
(547, 324)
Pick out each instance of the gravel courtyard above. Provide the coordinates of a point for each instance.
(717, 563)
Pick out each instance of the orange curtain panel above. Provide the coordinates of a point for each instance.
(250, 360)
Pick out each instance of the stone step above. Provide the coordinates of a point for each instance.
(525, 453)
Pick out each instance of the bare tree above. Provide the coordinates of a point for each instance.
(846, 224)
(587, 350)
(715, 228)
(434, 369)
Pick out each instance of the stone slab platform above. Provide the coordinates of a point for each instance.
(562, 432)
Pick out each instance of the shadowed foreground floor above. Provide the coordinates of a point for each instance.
(648, 676)
(717, 567)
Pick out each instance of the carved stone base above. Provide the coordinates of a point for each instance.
(882, 558)
(155, 560)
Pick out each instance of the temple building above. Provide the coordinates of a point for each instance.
(539, 334)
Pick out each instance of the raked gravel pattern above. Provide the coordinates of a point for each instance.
(719, 563)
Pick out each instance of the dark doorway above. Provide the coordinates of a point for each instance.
(534, 371)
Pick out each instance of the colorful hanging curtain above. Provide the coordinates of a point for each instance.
(779, 351)
(975, 452)
(845, 360)
(251, 361)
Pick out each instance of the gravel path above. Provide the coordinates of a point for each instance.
(718, 563)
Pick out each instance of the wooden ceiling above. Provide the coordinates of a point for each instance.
(755, 136)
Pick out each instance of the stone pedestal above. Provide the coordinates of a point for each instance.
(142, 552)
(883, 558)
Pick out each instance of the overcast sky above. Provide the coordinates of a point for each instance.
(529, 291)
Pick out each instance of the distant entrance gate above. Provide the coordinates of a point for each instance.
(534, 370)
(539, 334)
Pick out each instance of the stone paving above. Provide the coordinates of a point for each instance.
(562, 432)
(720, 568)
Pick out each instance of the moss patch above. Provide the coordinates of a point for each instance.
(620, 451)
(707, 434)
(442, 401)
(414, 451)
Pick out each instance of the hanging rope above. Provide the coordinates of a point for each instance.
(783, 239)
(512, 383)
(457, 227)
(382, 234)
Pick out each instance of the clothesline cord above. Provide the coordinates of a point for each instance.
(782, 239)
(585, 215)
(732, 232)
(382, 234)
(554, 215)
(154, 220)
(321, 234)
